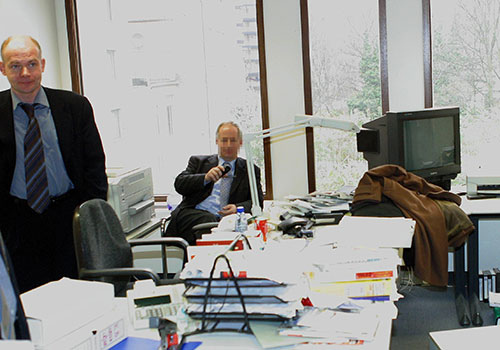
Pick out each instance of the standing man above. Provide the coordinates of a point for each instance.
(208, 194)
(51, 161)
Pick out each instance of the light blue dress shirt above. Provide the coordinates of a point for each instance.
(212, 202)
(57, 176)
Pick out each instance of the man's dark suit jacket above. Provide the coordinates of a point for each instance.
(79, 142)
(50, 234)
(190, 184)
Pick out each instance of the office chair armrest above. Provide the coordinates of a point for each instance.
(205, 226)
(163, 225)
(120, 271)
(164, 241)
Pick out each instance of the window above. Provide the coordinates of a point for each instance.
(345, 83)
(162, 75)
(465, 68)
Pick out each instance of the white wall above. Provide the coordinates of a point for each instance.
(38, 18)
(405, 58)
(286, 94)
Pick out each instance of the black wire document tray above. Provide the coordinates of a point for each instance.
(225, 302)
(234, 312)
(251, 295)
(230, 282)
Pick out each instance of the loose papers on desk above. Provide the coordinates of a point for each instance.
(284, 266)
(378, 232)
(336, 326)
(360, 326)
(280, 266)
(301, 207)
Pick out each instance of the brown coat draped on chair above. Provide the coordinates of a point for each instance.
(416, 198)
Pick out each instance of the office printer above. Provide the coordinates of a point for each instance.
(483, 185)
(130, 193)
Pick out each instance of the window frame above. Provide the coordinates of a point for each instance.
(384, 75)
(77, 81)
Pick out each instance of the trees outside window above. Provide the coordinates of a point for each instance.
(466, 73)
(345, 80)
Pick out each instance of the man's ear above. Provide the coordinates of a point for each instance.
(43, 65)
(2, 68)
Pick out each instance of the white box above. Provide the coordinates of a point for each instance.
(59, 308)
(99, 334)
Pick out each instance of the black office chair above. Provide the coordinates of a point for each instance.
(104, 254)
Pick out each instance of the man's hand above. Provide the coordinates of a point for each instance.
(228, 209)
(214, 174)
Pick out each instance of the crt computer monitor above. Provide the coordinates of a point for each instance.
(425, 142)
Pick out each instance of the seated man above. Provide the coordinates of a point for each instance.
(208, 194)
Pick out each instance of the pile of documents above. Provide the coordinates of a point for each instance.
(267, 291)
(335, 326)
(316, 205)
(338, 288)
(358, 273)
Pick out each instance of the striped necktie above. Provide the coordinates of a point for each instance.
(37, 186)
(225, 188)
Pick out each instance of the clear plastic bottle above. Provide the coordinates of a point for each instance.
(241, 224)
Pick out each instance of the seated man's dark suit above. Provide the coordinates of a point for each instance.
(190, 184)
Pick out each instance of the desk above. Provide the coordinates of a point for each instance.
(477, 209)
(248, 341)
(485, 338)
(217, 341)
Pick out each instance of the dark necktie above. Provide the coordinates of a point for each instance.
(37, 187)
(225, 187)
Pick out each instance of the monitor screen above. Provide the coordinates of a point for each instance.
(425, 142)
(428, 143)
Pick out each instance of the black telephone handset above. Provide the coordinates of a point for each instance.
(296, 226)
(227, 168)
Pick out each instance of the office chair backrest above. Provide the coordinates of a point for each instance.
(100, 242)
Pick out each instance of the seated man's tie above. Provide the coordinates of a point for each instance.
(225, 188)
(37, 186)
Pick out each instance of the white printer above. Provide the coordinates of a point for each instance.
(130, 193)
(483, 184)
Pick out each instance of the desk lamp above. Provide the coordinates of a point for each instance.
(301, 121)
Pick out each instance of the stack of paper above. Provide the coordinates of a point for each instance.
(317, 205)
(335, 326)
(375, 232)
(359, 273)
(268, 291)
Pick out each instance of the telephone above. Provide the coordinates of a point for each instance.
(147, 300)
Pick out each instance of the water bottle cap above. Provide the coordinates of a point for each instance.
(240, 209)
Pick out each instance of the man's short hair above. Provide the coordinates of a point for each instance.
(240, 134)
(9, 39)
